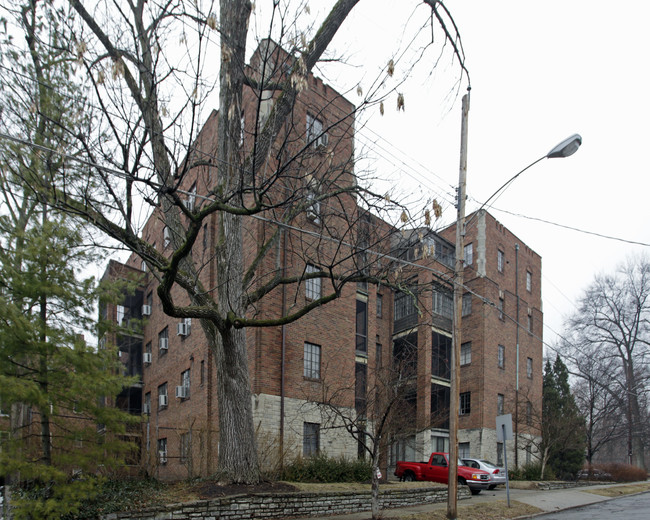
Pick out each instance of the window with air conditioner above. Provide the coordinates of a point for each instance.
(184, 328)
(146, 310)
(146, 358)
(162, 396)
(162, 451)
(163, 340)
(181, 392)
(146, 408)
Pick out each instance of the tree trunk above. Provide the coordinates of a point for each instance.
(374, 504)
(544, 461)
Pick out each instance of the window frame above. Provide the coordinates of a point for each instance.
(529, 368)
(466, 353)
(500, 404)
(468, 253)
(501, 260)
(310, 439)
(312, 355)
(465, 403)
(313, 286)
(501, 356)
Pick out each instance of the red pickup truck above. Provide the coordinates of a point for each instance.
(437, 470)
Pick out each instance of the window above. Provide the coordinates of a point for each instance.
(3, 411)
(529, 413)
(205, 237)
(186, 441)
(467, 304)
(202, 373)
(312, 361)
(443, 302)
(501, 357)
(162, 451)
(162, 396)
(313, 205)
(530, 322)
(310, 439)
(500, 399)
(143, 266)
(469, 254)
(529, 367)
(529, 281)
(465, 403)
(147, 403)
(380, 305)
(163, 341)
(121, 312)
(361, 345)
(378, 355)
(312, 285)
(466, 353)
(149, 299)
(147, 353)
(191, 198)
(440, 355)
(166, 237)
(500, 306)
(315, 134)
(499, 454)
(501, 257)
(185, 382)
(242, 123)
(529, 455)
(404, 305)
(463, 450)
(360, 387)
(184, 328)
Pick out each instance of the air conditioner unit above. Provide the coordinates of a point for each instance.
(163, 343)
(162, 457)
(501, 294)
(323, 140)
(181, 392)
(146, 358)
(162, 400)
(146, 310)
(146, 408)
(182, 329)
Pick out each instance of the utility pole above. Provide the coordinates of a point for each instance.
(454, 391)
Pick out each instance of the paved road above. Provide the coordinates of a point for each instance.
(635, 507)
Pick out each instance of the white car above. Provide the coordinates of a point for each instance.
(497, 474)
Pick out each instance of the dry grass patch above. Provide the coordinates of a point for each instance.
(484, 511)
(617, 491)
(308, 487)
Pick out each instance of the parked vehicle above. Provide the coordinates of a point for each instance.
(437, 470)
(497, 474)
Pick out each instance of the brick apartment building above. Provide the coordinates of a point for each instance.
(338, 348)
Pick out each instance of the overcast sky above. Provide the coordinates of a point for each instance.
(540, 72)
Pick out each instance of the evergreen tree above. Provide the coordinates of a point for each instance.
(51, 380)
(563, 428)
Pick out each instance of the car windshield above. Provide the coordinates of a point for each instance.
(488, 464)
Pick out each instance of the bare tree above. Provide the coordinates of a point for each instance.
(148, 66)
(609, 347)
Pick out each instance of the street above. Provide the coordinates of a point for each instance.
(635, 507)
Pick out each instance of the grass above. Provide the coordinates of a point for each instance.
(483, 511)
(617, 491)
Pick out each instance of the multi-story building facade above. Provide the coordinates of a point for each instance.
(334, 352)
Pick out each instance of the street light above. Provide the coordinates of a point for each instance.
(564, 149)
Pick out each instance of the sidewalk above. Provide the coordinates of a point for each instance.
(546, 500)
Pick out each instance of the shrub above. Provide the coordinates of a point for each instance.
(321, 468)
(118, 495)
(531, 471)
(621, 472)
